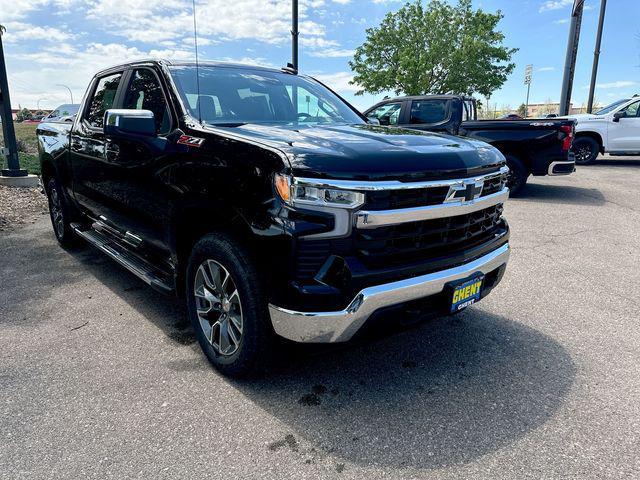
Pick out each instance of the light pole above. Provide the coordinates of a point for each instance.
(38, 102)
(294, 34)
(70, 92)
(570, 59)
(10, 146)
(596, 56)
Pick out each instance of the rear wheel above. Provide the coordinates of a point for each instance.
(585, 149)
(227, 307)
(518, 174)
(60, 213)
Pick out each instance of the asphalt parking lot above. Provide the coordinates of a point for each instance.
(100, 377)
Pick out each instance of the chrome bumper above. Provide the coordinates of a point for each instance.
(553, 165)
(340, 326)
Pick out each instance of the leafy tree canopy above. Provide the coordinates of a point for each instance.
(437, 48)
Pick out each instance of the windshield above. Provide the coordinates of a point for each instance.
(612, 107)
(66, 110)
(231, 96)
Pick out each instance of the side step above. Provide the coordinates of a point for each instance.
(151, 275)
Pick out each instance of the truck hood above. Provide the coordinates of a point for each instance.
(369, 152)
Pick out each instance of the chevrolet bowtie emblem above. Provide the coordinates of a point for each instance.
(464, 191)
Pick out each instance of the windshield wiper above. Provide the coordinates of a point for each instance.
(227, 124)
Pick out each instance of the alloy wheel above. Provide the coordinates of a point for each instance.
(55, 207)
(219, 307)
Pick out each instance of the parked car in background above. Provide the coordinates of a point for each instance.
(531, 147)
(34, 119)
(615, 130)
(271, 206)
(64, 113)
(510, 116)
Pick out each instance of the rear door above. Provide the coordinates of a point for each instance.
(624, 135)
(92, 186)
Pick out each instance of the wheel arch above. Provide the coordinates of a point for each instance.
(595, 135)
(191, 223)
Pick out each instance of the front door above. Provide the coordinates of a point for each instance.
(624, 135)
(92, 185)
(138, 166)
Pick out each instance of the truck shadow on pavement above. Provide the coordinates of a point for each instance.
(542, 192)
(613, 162)
(444, 393)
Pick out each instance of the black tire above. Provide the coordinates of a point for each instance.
(60, 213)
(253, 350)
(585, 149)
(518, 174)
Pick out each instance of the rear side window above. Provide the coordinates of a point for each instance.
(103, 98)
(145, 93)
(429, 111)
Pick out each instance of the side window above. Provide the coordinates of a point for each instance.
(632, 110)
(102, 100)
(387, 114)
(428, 111)
(145, 93)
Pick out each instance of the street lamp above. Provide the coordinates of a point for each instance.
(63, 85)
(38, 102)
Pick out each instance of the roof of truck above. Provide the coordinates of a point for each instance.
(205, 63)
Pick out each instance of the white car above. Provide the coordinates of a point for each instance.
(615, 130)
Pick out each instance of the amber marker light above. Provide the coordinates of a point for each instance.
(283, 186)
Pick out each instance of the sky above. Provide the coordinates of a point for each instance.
(50, 43)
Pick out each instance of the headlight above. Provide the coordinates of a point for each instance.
(306, 191)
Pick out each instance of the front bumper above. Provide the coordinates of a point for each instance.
(340, 326)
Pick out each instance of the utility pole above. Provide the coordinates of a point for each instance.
(527, 81)
(596, 56)
(10, 149)
(294, 34)
(570, 58)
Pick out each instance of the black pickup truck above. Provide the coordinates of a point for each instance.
(271, 206)
(531, 146)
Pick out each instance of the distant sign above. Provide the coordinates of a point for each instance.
(527, 74)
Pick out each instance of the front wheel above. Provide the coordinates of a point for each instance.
(227, 306)
(586, 150)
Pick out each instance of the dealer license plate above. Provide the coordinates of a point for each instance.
(466, 293)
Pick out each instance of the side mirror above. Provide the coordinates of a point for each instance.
(385, 120)
(373, 120)
(618, 115)
(119, 123)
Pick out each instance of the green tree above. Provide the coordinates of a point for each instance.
(522, 110)
(438, 48)
(24, 114)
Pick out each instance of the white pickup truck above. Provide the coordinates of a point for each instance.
(615, 130)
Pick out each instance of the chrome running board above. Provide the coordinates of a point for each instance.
(148, 273)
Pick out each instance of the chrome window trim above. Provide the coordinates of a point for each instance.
(370, 186)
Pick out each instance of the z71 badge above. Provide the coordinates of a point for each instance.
(191, 141)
